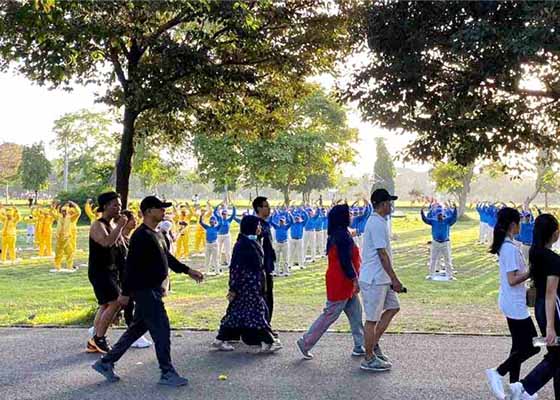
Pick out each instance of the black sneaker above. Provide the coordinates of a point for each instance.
(172, 378)
(107, 370)
(101, 344)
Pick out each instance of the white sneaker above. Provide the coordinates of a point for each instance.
(429, 277)
(54, 270)
(222, 346)
(495, 383)
(91, 331)
(271, 348)
(142, 343)
(517, 391)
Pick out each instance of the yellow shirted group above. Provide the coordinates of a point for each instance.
(9, 218)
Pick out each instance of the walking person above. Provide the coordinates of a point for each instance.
(379, 283)
(262, 210)
(247, 313)
(341, 279)
(545, 272)
(147, 266)
(512, 300)
(105, 242)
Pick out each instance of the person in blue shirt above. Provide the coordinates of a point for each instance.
(441, 247)
(281, 222)
(211, 249)
(299, 220)
(361, 222)
(525, 236)
(309, 236)
(319, 242)
(224, 239)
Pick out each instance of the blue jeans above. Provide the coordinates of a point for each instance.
(353, 310)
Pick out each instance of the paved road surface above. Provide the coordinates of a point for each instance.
(42, 364)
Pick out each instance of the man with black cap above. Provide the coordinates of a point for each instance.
(378, 281)
(147, 266)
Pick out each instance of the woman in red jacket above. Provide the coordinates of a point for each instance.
(342, 285)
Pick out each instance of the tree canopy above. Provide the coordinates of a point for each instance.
(35, 168)
(476, 79)
(163, 61)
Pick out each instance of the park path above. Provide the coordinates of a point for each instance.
(49, 363)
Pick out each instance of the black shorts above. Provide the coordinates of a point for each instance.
(106, 288)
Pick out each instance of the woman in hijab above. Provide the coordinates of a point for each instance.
(342, 285)
(246, 315)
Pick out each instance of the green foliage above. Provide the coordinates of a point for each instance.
(473, 79)
(309, 137)
(86, 138)
(81, 194)
(449, 177)
(384, 169)
(151, 168)
(35, 169)
(165, 62)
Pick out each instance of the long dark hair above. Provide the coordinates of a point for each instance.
(339, 220)
(506, 216)
(545, 226)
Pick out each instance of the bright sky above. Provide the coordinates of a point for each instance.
(29, 111)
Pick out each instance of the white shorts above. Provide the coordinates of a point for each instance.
(378, 298)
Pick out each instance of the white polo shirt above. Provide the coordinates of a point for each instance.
(376, 236)
(512, 299)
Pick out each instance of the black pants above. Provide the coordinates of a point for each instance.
(149, 315)
(549, 367)
(522, 333)
(268, 295)
(128, 312)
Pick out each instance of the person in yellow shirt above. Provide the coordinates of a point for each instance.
(91, 211)
(200, 233)
(9, 219)
(48, 216)
(66, 236)
(37, 218)
(182, 219)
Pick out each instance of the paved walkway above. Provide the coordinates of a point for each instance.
(51, 364)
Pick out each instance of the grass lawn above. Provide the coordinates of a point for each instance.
(30, 295)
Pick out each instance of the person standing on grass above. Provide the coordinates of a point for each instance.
(247, 313)
(441, 247)
(341, 278)
(105, 243)
(262, 210)
(512, 300)
(147, 266)
(545, 272)
(379, 283)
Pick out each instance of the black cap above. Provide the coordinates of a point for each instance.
(153, 202)
(380, 195)
(105, 198)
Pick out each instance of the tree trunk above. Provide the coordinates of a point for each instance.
(286, 193)
(462, 197)
(124, 163)
(36, 195)
(541, 170)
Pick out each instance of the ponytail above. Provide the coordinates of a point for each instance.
(506, 216)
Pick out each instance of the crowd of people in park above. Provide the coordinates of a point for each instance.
(129, 263)
(131, 252)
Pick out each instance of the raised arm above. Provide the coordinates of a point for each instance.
(203, 224)
(424, 218)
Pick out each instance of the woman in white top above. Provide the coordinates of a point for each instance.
(512, 300)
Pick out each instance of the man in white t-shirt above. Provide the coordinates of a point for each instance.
(379, 284)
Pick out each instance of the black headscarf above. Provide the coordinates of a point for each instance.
(249, 225)
(339, 221)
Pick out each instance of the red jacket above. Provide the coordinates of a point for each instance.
(339, 286)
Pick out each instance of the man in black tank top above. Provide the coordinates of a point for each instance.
(105, 238)
(147, 266)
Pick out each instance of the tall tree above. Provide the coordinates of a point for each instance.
(383, 169)
(473, 80)
(165, 60)
(87, 146)
(10, 160)
(34, 169)
(455, 180)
